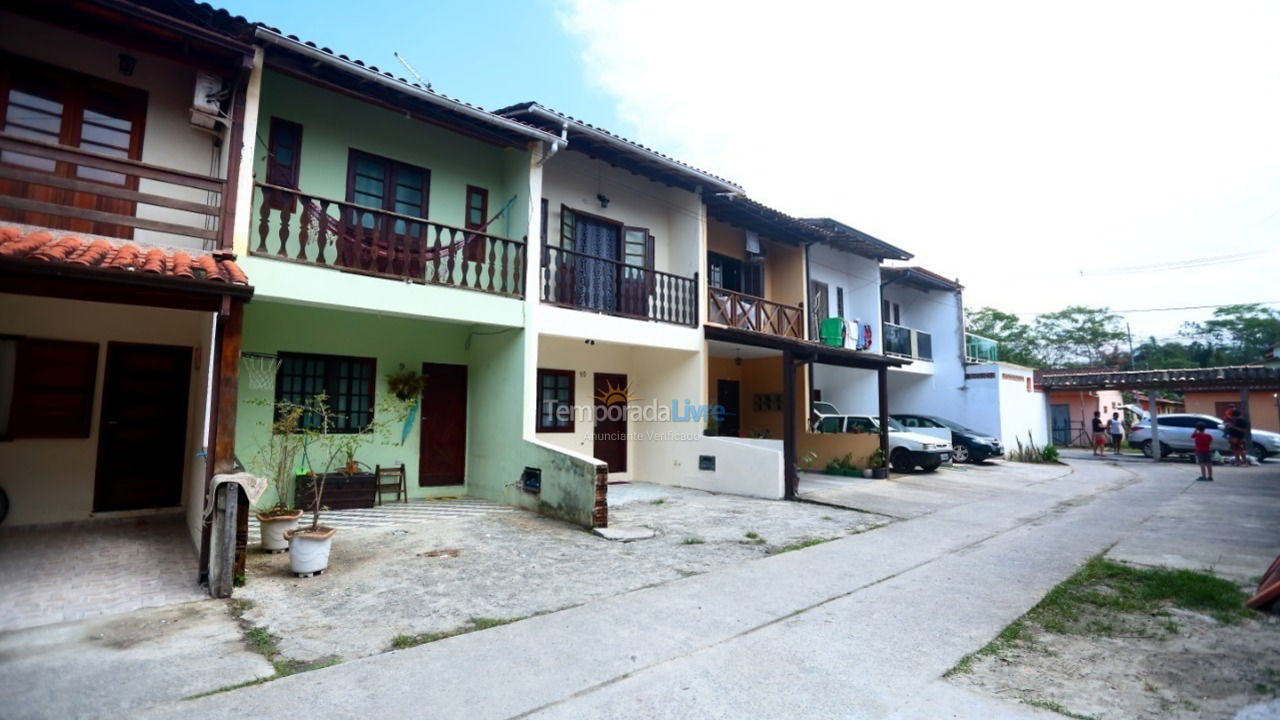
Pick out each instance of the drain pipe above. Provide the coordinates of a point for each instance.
(555, 146)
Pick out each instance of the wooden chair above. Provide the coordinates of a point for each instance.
(390, 479)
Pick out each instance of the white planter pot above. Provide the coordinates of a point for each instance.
(274, 529)
(309, 550)
(867, 472)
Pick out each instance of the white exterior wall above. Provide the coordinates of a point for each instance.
(676, 219)
(936, 387)
(168, 138)
(52, 480)
(1002, 405)
(849, 389)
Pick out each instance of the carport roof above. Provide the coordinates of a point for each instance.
(805, 350)
(1226, 377)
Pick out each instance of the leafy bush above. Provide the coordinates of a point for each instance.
(1050, 454)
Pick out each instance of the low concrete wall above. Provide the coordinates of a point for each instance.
(742, 466)
(833, 446)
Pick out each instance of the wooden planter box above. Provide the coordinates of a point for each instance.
(341, 491)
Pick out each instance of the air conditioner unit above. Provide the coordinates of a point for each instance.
(206, 108)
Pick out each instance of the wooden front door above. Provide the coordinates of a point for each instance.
(610, 433)
(442, 456)
(142, 433)
(727, 397)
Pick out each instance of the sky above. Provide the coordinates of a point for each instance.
(1119, 154)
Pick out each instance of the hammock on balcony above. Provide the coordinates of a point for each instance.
(354, 240)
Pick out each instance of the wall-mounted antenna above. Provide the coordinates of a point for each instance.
(412, 72)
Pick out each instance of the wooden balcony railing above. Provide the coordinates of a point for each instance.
(587, 282)
(748, 312)
(64, 187)
(304, 228)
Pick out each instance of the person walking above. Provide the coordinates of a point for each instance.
(1237, 429)
(1204, 452)
(1099, 434)
(1116, 428)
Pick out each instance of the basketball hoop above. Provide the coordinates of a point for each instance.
(261, 369)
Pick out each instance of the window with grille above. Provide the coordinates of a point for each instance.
(555, 400)
(347, 383)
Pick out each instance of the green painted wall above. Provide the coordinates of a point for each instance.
(332, 124)
(273, 327)
(497, 457)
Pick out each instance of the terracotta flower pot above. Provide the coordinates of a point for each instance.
(274, 527)
(309, 550)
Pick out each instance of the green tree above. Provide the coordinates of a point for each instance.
(1242, 332)
(1017, 344)
(1079, 336)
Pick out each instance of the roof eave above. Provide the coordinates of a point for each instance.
(701, 178)
(484, 116)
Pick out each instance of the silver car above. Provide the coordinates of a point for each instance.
(1175, 436)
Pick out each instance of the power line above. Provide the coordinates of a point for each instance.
(1164, 309)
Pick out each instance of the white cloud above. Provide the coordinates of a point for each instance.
(1011, 144)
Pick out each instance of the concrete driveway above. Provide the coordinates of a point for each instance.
(915, 494)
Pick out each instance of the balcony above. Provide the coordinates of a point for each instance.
(748, 312)
(587, 282)
(297, 227)
(909, 343)
(64, 187)
(978, 349)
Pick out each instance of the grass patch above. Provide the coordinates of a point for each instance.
(1057, 707)
(753, 538)
(802, 544)
(1098, 597)
(693, 541)
(659, 501)
(401, 642)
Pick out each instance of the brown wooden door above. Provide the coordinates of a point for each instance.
(610, 434)
(728, 396)
(52, 105)
(442, 457)
(142, 434)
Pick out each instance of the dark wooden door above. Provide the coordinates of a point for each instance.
(610, 434)
(142, 434)
(727, 397)
(442, 457)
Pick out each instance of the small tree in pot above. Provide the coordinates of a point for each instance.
(278, 462)
(336, 453)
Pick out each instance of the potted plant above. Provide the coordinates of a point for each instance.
(406, 384)
(309, 546)
(277, 462)
(877, 463)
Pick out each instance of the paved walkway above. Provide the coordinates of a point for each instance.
(397, 513)
(858, 627)
(53, 575)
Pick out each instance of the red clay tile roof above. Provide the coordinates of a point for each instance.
(46, 246)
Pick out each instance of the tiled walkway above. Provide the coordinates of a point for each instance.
(415, 511)
(70, 573)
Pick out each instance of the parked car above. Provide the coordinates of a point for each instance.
(1175, 436)
(819, 410)
(906, 449)
(967, 445)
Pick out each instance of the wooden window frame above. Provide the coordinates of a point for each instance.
(281, 201)
(331, 381)
(390, 176)
(476, 244)
(840, 302)
(548, 372)
(25, 393)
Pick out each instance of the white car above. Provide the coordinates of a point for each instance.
(1175, 436)
(906, 449)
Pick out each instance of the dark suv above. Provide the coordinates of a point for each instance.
(967, 445)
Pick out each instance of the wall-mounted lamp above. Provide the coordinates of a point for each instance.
(127, 63)
(738, 359)
(604, 200)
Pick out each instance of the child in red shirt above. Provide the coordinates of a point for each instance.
(1204, 451)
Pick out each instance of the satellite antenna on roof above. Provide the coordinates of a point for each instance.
(413, 72)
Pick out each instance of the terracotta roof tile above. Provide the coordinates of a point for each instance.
(120, 255)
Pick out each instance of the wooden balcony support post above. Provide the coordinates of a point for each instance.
(791, 479)
(220, 458)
